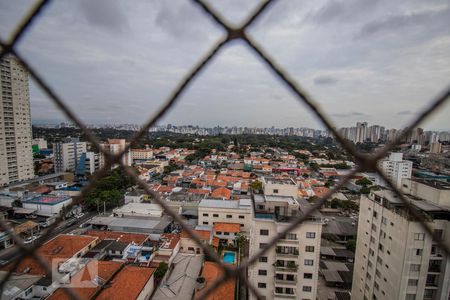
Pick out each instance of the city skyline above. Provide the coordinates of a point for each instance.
(373, 60)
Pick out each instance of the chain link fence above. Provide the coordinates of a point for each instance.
(364, 162)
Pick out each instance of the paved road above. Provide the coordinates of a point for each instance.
(11, 253)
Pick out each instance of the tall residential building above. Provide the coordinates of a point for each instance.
(115, 146)
(395, 258)
(290, 269)
(67, 154)
(88, 163)
(16, 158)
(396, 168)
(435, 148)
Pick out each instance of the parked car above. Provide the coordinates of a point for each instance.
(80, 215)
(29, 240)
(70, 222)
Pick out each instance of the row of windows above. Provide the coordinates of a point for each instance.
(228, 216)
(289, 236)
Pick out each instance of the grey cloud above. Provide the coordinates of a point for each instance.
(349, 114)
(404, 113)
(342, 11)
(105, 13)
(325, 80)
(424, 21)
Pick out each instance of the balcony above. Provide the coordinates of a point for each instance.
(288, 282)
(289, 267)
(434, 268)
(282, 253)
(287, 296)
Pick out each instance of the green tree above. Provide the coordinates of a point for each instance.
(161, 271)
(363, 182)
(256, 186)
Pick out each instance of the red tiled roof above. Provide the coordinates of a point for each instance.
(225, 291)
(61, 247)
(320, 191)
(125, 237)
(198, 191)
(227, 227)
(127, 284)
(202, 234)
(221, 193)
(82, 282)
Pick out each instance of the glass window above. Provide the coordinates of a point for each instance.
(309, 248)
(264, 232)
(262, 272)
(310, 235)
(261, 285)
(309, 262)
(262, 259)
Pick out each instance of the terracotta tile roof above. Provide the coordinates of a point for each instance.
(165, 189)
(204, 235)
(320, 191)
(225, 291)
(61, 247)
(222, 193)
(83, 280)
(170, 239)
(124, 237)
(127, 284)
(227, 227)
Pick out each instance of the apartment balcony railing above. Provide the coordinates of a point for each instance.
(284, 253)
(284, 281)
(282, 295)
(435, 268)
(286, 267)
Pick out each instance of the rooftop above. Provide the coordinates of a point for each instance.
(227, 227)
(211, 272)
(276, 180)
(437, 184)
(236, 204)
(127, 284)
(180, 283)
(124, 237)
(47, 199)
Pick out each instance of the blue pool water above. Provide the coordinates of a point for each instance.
(229, 257)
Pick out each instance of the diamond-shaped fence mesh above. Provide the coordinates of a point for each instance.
(364, 162)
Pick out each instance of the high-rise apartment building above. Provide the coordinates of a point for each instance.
(395, 258)
(396, 168)
(67, 154)
(16, 158)
(290, 269)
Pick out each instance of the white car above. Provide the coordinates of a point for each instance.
(29, 240)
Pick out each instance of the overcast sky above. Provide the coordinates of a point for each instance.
(379, 61)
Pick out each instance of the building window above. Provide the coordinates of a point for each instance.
(309, 248)
(241, 217)
(205, 215)
(205, 223)
(264, 232)
(308, 275)
(261, 285)
(229, 216)
(275, 191)
(262, 259)
(415, 268)
(226, 233)
(309, 262)
(310, 235)
(413, 282)
(419, 236)
(419, 252)
(262, 272)
(215, 215)
(262, 245)
(307, 288)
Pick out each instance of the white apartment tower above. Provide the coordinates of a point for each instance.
(396, 168)
(395, 258)
(290, 269)
(16, 158)
(67, 154)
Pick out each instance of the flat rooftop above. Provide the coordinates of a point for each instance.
(271, 198)
(275, 180)
(437, 184)
(47, 199)
(236, 204)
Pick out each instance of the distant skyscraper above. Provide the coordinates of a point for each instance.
(16, 158)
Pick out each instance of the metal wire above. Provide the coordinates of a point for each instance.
(364, 162)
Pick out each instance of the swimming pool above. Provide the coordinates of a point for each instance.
(229, 257)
